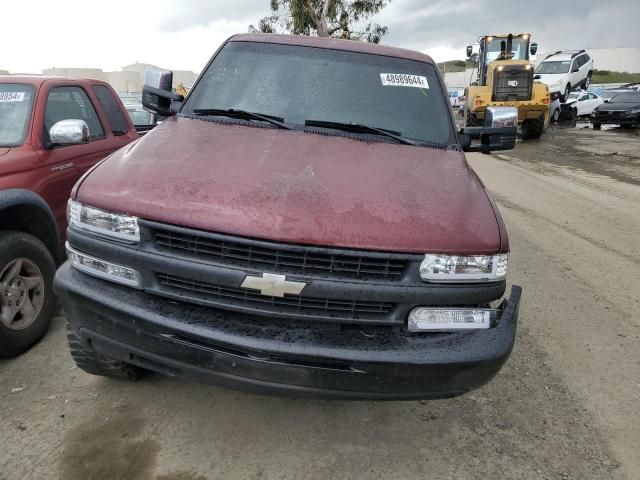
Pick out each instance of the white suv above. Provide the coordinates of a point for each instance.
(564, 71)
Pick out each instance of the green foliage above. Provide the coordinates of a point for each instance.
(347, 19)
(606, 76)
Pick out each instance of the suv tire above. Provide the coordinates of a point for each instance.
(567, 92)
(587, 81)
(27, 301)
(533, 128)
(97, 364)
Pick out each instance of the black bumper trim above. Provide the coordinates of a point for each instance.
(269, 356)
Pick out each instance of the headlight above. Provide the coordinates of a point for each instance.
(425, 319)
(455, 268)
(113, 225)
(103, 269)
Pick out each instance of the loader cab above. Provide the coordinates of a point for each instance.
(500, 48)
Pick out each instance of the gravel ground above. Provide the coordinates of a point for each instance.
(564, 406)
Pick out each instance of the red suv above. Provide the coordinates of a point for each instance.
(51, 131)
(305, 222)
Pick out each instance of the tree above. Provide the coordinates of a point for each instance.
(325, 18)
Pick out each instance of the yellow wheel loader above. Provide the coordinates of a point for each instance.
(505, 78)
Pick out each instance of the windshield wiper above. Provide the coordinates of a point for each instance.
(242, 114)
(359, 128)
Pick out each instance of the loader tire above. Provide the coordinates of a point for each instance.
(532, 128)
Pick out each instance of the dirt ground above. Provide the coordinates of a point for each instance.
(564, 407)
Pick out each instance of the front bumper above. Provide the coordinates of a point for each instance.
(272, 356)
(615, 118)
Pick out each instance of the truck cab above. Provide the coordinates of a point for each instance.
(52, 130)
(304, 223)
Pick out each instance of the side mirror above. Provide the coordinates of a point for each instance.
(498, 133)
(533, 49)
(469, 51)
(156, 93)
(69, 132)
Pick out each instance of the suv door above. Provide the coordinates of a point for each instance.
(574, 76)
(62, 166)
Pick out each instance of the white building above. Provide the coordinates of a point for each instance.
(128, 81)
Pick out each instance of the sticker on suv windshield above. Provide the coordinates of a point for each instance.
(403, 80)
(11, 96)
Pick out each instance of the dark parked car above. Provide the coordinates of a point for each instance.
(306, 223)
(622, 109)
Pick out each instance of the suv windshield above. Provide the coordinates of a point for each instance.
(16, 100)
(554, 67)
(298, 83)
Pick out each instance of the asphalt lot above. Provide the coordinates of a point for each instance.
(564, 407)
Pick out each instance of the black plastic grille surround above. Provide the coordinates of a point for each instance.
(514, 82)
(283, 258)
(241, 297)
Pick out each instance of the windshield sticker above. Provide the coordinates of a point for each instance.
(403, 80)
(11, 96)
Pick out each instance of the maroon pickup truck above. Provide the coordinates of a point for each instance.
(52, 130)
(304, 222)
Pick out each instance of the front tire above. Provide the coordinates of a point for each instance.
(587, 82)
(597, 126)
(556, 115)
(27, 301)
(97, 364)
(533, 128)
(567, 92)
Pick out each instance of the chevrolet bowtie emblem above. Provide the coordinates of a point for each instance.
(273, 285)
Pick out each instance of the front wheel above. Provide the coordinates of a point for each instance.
(567, 92)
(97, 364)
(532, 128)
(587, 82)
(27, 301)
(597, 126)
(556, 115)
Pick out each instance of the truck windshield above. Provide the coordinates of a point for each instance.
(298, 83)
(16, 100)
(553, 67)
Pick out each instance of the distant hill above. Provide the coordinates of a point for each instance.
(452, 66)
(607, 76)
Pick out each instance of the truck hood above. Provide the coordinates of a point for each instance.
(298, 187)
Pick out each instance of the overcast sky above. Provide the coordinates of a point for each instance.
(182, 34)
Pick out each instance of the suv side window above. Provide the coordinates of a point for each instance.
(117, 121)
(67, 103)
(586, 58)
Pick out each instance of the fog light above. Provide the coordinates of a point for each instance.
(103, 269)
(424, 319)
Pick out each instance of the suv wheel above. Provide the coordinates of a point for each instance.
(97, 364)
(27, 301)
(587, 81)
(556, 115)
(567, 92)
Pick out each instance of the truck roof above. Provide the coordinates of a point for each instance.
(37, 80)
(332, 44)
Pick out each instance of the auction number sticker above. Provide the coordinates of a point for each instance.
(11, 96)
(403, 80)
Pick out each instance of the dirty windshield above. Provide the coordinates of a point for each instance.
(302, 83)
(15, 111)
